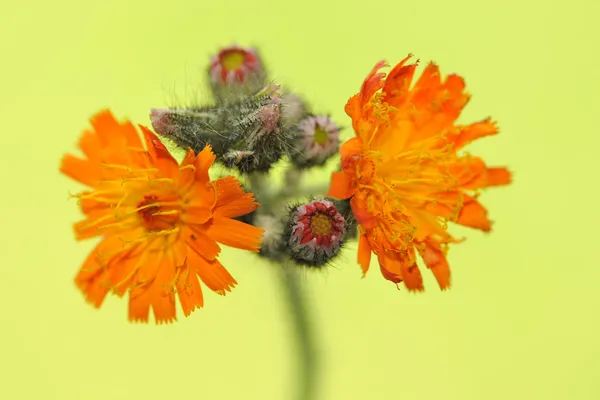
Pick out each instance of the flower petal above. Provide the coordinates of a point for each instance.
(197, 215)
(235, 234)
(436, 261)
(92, 277)
(201, 243)
(364, 253)
(391, 267)
(203, 162)
(470, 133)
(156, 293)
(372, 83)
(189, 291)
(81, 170)
(212, 273)
(187, 172)
(411, 276)
(397, 83)
(232, 201)
(341, 186)
(161, 157)
(462, 209)
(111, 133)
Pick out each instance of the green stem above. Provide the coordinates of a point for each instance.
(304, 335)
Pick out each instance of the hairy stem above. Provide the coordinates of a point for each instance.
(308, 372)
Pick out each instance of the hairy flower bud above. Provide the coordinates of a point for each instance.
(293, 110)
(317, 138)
(315, 233)
(247, 134)
(236, 71)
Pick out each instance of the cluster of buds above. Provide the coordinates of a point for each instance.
(253, 124)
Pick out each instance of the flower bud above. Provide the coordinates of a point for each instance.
(317, 138)
(315, 233)
(236, 71)
(246, 134)
(293, 109)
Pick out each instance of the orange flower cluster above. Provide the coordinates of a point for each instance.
(160, 221)
(405, 172)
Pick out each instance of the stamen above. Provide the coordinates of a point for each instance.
(188, 166)
(171, 212)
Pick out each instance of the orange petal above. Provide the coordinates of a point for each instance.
(189, 291)
(436, 261)
(235, 234)
(201, 243)
(163, 160)
(474, 215)
(212, 273)
(372, 83)
(157, 294)
(398, 82)
(197, 215)
(232, 201)
(468, 134)
(411, 276)
(453, 89)
(353, 109)
(461, 209)
(364, 253)
(163, 297)
(91, 278)
(360, 211)
(425, 223)
(140, 297)
(430, 78)
(81, 170)
(498, 176)
(203, 162)
(90, 145)
(391, 267)
(351, 148)
(111, 133)
(341, 186)
(187, 173)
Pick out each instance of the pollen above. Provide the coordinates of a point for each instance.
(320, 225)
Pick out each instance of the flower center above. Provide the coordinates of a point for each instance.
(321, 137)
(233, 60)
(155, 216)
(320, 225)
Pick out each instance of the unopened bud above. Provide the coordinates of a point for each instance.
(272, 246)
(293, 109)
(236, 71)
(192, 128)
(246, 134)
(315, 233)
(317, 138)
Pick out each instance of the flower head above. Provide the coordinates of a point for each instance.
(317, 139)
(159, 221)
(405, 172)
(316, 231)
(235, 70)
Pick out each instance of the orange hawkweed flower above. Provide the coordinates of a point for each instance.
(159, 221)
(405, 173)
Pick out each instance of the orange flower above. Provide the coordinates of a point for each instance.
(159, 221)
(406, 174)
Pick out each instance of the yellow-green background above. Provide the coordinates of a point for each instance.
(521, 321)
